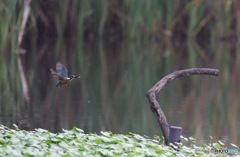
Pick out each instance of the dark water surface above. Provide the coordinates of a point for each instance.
(111, 92)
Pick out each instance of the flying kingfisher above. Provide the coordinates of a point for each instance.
(62, 75)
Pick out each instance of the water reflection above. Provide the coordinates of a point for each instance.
(111, 92)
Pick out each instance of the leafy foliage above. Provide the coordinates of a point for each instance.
(76, 143)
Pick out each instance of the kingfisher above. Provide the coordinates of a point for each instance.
(62, 75)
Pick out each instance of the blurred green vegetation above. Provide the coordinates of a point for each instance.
(121, 48)
(111, 20)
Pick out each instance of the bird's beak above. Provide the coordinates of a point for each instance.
(76, 77)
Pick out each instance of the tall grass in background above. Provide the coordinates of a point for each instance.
(134, 20)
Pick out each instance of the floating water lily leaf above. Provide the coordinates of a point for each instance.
(75, 142)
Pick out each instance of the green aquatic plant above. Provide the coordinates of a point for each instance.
(16, 142)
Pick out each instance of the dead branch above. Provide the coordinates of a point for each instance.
(155, 106)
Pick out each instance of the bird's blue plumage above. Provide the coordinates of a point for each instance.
(61, 70)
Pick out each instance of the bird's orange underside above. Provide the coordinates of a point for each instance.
(63, 82)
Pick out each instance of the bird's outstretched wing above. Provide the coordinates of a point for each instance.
(61, 70)
(55, 74)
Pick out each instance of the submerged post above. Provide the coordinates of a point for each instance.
(174, 132)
